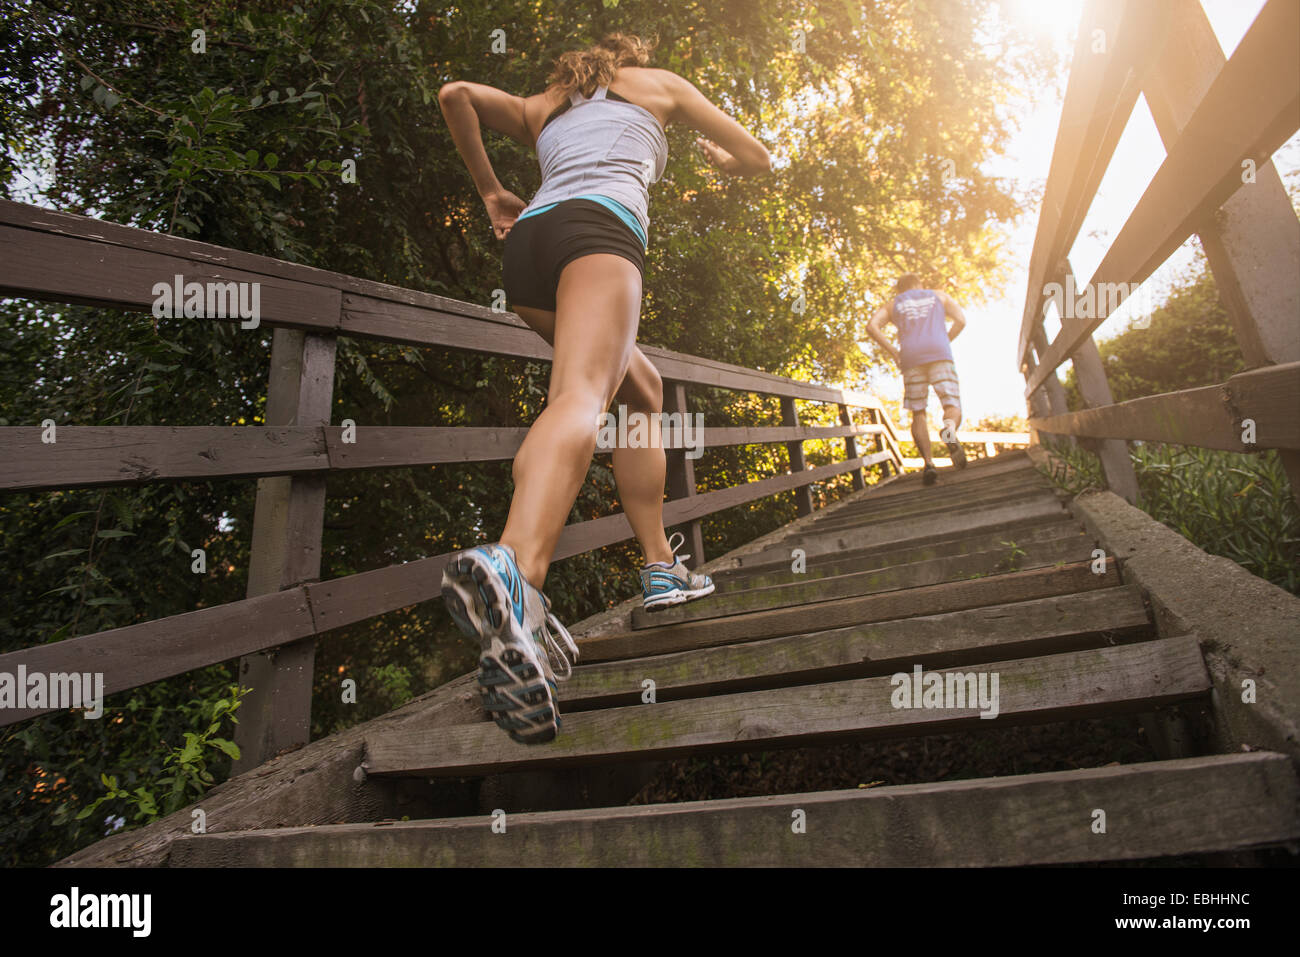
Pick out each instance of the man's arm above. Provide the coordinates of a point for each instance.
(876, 329)
(953, 312)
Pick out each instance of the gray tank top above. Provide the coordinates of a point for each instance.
(604, 147)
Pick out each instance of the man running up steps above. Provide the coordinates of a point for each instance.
(924, 354)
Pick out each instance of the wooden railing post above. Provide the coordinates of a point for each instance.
(803, 494)
(1252, 243)
(286, 551)
(1090, 375)
(1052, 387)
(681, 473)
(851, 448)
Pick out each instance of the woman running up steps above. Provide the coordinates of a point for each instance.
(573, 265)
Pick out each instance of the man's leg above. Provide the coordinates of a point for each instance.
(916, 391)
(921, 435)
(951, 422)
(949, 393)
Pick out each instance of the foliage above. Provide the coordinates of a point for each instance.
(1231, 504)
(187, 775)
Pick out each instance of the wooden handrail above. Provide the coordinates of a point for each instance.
(307, 309)
(1233, 114)
(1252, 108)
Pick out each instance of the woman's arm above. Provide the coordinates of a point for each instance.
(727, 144)
(468, 106)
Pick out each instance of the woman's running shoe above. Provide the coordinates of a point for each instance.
(522, 643)
(663, 584)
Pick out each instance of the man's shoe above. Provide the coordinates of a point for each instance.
(955, 451)
(929, 475)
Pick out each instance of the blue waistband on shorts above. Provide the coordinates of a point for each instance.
(613, 205)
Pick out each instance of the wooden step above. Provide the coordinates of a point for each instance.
(840, 563)
(930, 599)
(970, 521)
(998, 487)
(1162, 808)
(778, 556)
(1069, 544)
(912, 482)
(843, 519)
(1078, 684)
(992, 633)
(735, 598)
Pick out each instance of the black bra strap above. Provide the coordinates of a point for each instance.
(566, 105)
(556, 112)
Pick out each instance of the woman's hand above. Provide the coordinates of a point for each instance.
(718, 156)
(503, 209)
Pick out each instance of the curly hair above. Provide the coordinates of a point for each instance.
(584, 70)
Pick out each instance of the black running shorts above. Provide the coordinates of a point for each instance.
(539, 247)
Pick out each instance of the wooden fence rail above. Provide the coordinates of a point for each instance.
(58, 257)
(1220, 121)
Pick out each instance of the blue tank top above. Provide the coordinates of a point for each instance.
(922, 331)
(607, 150)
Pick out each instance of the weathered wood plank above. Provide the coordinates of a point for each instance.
(1063, 537)
(926, 599)
(93, 456)
(90, 456)
(138, 654)
(1252, 244)
(1099, 99)
(180, 643)
(32, 237)
(798, 461)
(851, 517)
(991, 633)
(1209, 417)
(680, 474)
(100, 274)
(973, 521)
(778, 560)
(738, 597)
(1193, 805)
(1074, 685)
(286, 552)
(1250, 110)
(1008, 463)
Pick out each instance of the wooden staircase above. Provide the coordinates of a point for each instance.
(987, 572)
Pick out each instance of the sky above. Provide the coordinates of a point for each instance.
(991, 383)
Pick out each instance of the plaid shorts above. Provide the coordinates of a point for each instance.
(918, 379)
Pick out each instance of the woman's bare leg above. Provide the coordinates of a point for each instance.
(598, 305)
(640, 473)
